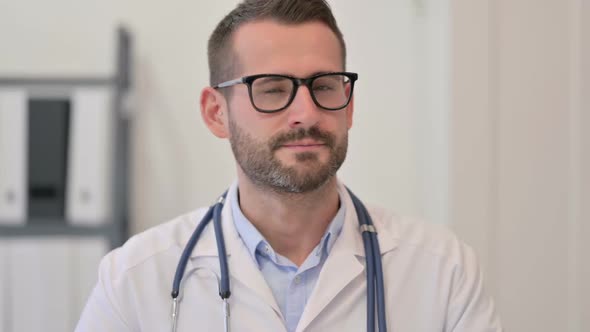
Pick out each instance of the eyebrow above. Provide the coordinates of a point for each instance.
(271, 78)
(312, 74)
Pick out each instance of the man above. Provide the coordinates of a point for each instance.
(280, 94)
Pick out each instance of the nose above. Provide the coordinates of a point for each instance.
(303, 112)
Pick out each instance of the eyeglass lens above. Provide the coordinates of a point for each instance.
(274, 92)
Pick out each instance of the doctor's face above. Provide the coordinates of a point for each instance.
(301, 147)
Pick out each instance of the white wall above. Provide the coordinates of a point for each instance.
(398, 142)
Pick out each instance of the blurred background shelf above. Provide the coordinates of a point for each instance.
(55, 228)
(64, 189)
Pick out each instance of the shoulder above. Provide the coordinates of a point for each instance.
(434, 240)
(131, 273)
(437, 267)
(159, 240)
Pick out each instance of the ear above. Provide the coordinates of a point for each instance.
(214, 111)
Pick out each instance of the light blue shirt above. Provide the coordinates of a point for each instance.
(290, 285)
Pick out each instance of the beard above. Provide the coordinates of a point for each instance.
(260, 164)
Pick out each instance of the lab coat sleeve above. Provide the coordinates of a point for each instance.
(102, 312)
(470, 308)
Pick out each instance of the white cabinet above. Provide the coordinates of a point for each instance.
(46, 281)
(91, 153)
(13, 148)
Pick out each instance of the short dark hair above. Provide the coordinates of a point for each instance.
(222, 60)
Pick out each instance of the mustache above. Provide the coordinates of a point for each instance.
(314, 133)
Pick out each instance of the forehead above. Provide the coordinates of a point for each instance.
(267, 46)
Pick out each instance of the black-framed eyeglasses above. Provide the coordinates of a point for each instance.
(271, 93)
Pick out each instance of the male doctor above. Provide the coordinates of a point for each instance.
(282, 97)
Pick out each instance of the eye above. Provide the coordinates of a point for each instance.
(272, 86)
(323, 88)
(274, 90)
(327, 83)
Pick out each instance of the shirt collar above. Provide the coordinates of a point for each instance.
(248, 233)
(253, 240)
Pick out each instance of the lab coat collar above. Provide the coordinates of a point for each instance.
(238, 257)
(207, 245)
(344, 264)
(350, 235)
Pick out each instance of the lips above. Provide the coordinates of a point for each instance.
(311, 138)
(303, 143)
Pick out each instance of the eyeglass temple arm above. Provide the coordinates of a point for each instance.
(229, 83)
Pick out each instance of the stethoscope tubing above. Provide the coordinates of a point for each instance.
(190, 245)
(375, 283)
(374, 267)
(224, 291)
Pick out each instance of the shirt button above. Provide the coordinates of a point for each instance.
(297, 280)
(267, 249)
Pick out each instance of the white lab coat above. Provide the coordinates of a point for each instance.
(432, 282)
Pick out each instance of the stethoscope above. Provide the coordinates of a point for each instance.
(372, 253)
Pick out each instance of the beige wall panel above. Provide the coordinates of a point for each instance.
(584, 200)
(520, 155)
(533, 136)
(471, 168)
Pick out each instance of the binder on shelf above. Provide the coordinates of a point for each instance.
(89, 186)
(13, 156)
(48, 124)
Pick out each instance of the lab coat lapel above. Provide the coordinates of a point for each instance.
(344, 263)
(339, 270)
(244, 270)
(241, 265)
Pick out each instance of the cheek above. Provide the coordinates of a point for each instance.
(340, 122)
(258, 126)
(261, 126)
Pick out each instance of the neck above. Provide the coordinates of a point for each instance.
(293, 224)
